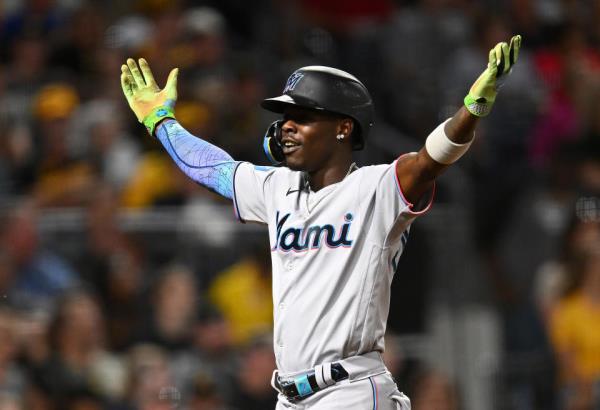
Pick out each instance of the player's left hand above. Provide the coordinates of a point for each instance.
(482, 94)
(149, 103)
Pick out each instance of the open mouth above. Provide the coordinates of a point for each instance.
(289, 146)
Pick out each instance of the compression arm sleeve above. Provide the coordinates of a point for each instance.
(203, 162)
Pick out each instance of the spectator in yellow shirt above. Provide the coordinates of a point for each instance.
(575, 331)
(243, 294)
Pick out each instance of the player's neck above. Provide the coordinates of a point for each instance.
(329, 175)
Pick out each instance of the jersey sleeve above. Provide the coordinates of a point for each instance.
(251, 192)
(412, 210)
(393, 213)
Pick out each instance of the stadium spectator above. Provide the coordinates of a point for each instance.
(35, 276)
(174, 304)
(575, 328)
(150, 383)
(253, 383)
(212, 361)
(556, 276)
(242, 293)
(110, 261)
(79, 361)
(205, 396)
(62, 178)
(13, 381)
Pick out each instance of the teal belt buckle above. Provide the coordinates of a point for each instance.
(303, 386)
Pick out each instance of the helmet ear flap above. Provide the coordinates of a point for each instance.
(272, 143)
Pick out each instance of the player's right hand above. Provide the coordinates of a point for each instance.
(482, 94)
(149, 103)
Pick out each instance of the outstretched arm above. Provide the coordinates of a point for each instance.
(447, 143)
(203, 162)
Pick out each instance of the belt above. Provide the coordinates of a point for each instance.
(306, 384)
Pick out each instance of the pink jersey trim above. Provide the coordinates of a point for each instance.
(406, 201)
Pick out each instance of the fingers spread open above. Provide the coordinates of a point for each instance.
(505, 58)
(126, 85)
(171, 86)
(492, 64)
(515, 46)
(135, 72)
(127, 73)
(499, 59)
(148, 76)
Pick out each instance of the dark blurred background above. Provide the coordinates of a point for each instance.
(125, 286)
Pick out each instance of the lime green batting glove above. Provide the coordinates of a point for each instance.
(149, 103)
(482, 94)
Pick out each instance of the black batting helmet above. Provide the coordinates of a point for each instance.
(331, 90)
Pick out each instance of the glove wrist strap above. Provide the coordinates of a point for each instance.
(478, 106)
(157, 115)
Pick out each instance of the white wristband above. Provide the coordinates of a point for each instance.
(441, 149)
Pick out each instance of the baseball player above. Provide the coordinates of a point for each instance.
(336, 231)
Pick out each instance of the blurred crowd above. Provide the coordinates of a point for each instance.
(112, 325)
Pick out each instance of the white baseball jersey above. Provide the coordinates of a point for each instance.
(334, 253)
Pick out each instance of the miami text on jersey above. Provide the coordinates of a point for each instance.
(302, 239)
